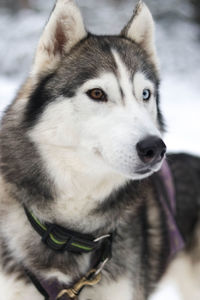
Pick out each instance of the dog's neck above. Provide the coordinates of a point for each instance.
(80, 185)
(87, 195)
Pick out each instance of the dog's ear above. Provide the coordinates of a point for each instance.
(64, 30)
(140, 29)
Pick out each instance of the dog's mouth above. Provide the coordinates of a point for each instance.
(152, 168)
(144, 171)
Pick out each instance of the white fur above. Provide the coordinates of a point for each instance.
(167, 291)
(12, 289)
(121, 289)
(181, 281)
(141, 30)
(68, 16)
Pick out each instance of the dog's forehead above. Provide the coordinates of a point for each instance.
(96, 55)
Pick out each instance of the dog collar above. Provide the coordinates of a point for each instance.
(59, 238)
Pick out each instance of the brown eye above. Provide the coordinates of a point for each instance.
(97, 94)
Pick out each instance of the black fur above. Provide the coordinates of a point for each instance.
(39, 98)
(186, 173)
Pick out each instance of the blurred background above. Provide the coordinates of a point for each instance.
(178, 44)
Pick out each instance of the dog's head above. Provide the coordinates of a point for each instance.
(95, 103)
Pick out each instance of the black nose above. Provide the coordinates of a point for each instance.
(151, 150)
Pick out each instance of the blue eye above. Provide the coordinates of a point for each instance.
(146, 94)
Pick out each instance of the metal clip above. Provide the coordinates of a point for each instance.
(90, 279)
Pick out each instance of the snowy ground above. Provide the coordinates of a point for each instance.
(178, 47)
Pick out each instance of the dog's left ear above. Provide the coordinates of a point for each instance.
(63, 31)
(140, 29)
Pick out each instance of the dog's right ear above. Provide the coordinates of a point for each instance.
(140, 29)
(64, 30)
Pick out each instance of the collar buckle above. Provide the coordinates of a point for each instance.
(102, 237)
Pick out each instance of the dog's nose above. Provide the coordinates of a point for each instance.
(151, 150)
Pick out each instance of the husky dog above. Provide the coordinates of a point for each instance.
(76, 145)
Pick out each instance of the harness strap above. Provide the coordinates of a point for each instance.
(165, 186)
(37, 284)
(54, 290)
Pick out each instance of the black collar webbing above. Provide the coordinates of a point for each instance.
(59, 238)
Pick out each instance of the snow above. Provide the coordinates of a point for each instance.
(181, 104)
(7, 92)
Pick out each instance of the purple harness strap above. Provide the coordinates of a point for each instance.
(176, 240)
(53, 289)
